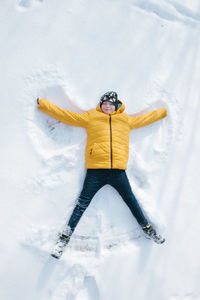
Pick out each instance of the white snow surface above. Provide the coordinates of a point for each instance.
(71, 52)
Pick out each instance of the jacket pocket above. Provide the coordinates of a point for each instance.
(98, 149)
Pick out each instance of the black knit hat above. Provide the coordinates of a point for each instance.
(110, 97)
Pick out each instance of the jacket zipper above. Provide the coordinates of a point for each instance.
(111, 143)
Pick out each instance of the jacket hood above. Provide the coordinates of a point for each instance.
(121, 108)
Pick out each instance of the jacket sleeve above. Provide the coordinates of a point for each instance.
(146, 119)
(63, 115)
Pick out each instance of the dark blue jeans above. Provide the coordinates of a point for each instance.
(96, 179)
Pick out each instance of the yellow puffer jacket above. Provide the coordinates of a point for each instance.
(107, 135)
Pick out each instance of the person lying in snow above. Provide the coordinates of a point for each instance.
(106, 156)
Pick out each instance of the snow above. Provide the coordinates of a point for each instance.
(71, 52)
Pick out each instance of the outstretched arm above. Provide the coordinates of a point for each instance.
(63, 115)
(148, 118)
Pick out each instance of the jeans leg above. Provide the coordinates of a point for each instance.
(94, 180)
(120, 182)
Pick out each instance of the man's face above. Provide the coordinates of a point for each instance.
(108, 107)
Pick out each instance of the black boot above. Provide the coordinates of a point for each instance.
(61, 243)
(150, 233)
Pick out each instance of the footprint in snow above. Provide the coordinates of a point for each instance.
(25, 4)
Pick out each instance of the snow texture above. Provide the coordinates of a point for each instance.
(71, 53)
